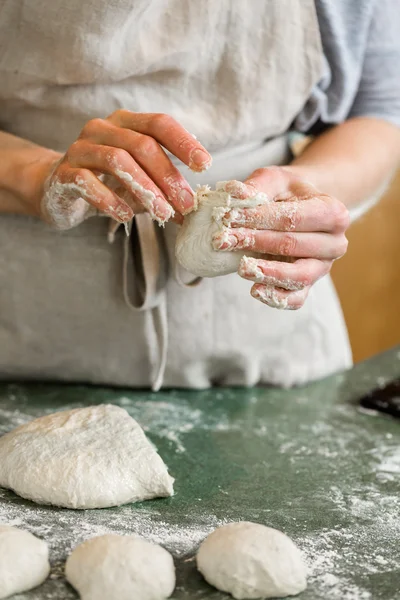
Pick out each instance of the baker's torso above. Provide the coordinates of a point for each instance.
(232, 75)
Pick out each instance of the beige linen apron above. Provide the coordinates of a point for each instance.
(235, 74)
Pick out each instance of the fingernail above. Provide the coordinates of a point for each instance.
(269, 296)
(163, 212)
(199, 160)
(186, 200)
(236, 188)
(234, 217)
(234, 239)
(124, 213)
(224, 241)
(249, 269)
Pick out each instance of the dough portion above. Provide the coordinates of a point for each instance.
(24, 561)
(194, 250)
(92, 457)
(116, 567)
(249, 560)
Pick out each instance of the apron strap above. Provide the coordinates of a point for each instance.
(160, 323)
(144, 277)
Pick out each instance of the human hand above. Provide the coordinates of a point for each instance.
(302, 228)
(128, 147)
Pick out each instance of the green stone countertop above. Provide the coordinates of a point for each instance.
(307, 461)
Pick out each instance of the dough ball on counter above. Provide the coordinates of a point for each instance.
(116, 567)
(24, 561)
(92, 457)
(249, 560)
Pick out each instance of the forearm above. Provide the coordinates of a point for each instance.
(351, 161)
(22, 165)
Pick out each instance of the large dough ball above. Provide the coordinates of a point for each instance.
(24, 561)
(114, 567)
(249, 560)
(193, 248)
(91, 457)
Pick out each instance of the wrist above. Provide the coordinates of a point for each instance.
(26, 170)
(34, 171)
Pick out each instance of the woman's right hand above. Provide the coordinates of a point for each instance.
(127, 148)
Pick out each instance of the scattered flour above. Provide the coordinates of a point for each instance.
(65, 529)
(172, 421)
(12, 418)
(388, 462)
(350, 538)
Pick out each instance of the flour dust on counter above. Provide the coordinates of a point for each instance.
(92, 457)
(364, 538)
(65, 529)
(305, 462)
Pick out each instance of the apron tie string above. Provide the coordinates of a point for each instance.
(144, 277)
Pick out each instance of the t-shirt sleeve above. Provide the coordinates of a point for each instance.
(378, 93)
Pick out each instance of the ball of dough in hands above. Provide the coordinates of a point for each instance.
(115, 567)
(249, 560)
(24, 561)
(92, 457)
(193, 248)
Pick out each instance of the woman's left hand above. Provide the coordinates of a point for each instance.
(302, 228)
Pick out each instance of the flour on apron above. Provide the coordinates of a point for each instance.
(234, 75)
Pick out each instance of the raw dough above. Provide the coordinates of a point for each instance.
(84, 458)
(194, 250)
(116, 567)
(249, 560)
(24, 561)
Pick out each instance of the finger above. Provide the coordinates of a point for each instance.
(131, 201)
(237, 189)
(278, 183)
(289, 276)
(299, 245)
(119, 164)
(321, 214)
(276, 298)
(168, 132)
(271, 181)
(177, 218)
(69, 184)
(154, 161)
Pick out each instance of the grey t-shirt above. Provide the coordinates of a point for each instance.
(361, 41)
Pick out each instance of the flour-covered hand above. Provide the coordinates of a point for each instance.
(118, 167)
(300, 229)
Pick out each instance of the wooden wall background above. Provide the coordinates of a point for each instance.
(368, 278)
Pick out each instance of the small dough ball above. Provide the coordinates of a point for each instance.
(117, 567)
(92, 457)
(24, 561)
(249, 560)
(193, 248)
